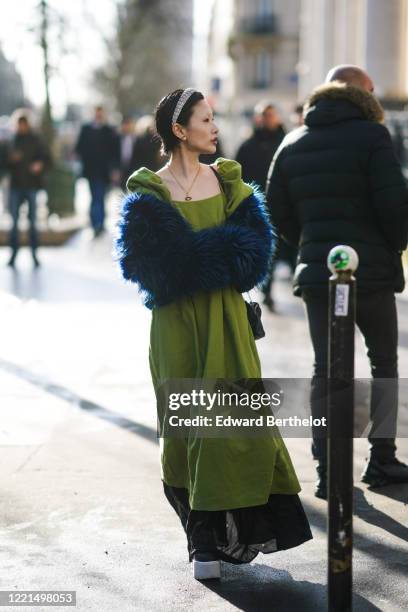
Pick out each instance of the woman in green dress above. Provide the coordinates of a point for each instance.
(193, 238)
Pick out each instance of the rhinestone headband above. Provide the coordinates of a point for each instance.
(187, 93)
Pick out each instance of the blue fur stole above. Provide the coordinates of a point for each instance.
(159, 251)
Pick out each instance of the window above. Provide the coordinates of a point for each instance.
(262, 72)
(216, 84)
(264, 8)
(264, 18)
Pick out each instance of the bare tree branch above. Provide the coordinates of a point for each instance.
(149, 53)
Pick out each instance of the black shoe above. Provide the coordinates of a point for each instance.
(378, 474)
(36, 261)
(321, 482)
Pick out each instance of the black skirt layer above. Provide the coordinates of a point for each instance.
(238, 535)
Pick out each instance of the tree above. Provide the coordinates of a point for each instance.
(11, 91)
(49, 28)
(47, 121)
(149, 54)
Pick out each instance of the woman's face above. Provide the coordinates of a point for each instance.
(201, 131)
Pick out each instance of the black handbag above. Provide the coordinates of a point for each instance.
(254, 314)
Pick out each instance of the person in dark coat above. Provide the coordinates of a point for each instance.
(255, 156)
(98, 150)
(3, 158)
(336, 181)
(139, 147)
(27, 160)
(126, 145)
(146, 150)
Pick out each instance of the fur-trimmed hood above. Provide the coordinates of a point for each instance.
(336, 101)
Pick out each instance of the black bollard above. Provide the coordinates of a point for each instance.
(342, 261)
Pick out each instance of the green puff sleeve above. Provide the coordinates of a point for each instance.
(144, 180)
(235, 189)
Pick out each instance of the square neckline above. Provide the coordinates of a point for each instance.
(191, 201)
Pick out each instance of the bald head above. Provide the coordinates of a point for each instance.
(351, 75)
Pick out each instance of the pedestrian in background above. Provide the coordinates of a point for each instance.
(296, 117)
(3, 171)
(126, 149)
(334, 181)
(27, 159)
(193, 247)
(98, 150)
(3, 158)
(255, 156)
(146, 151)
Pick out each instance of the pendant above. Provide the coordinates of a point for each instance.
(188, 198)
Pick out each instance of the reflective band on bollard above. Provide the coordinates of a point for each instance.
(342, 262)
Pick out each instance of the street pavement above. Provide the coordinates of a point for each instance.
(81, 505)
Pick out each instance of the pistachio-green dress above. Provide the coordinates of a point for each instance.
(208, 336)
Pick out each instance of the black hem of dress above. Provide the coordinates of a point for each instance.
(238, 535)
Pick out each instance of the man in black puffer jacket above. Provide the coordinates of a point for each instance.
(336, 181)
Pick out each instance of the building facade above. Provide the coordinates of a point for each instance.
(253, 50)
(219, 74)
(264, 45)
(279, 50)
(369, 33)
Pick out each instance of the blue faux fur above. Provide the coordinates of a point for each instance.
(159, 251)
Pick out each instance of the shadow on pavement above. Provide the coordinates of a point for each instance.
(261, 588)
(391, 557)
(80, 402)
(397, 492)
(368, 513)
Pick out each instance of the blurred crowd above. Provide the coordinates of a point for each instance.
(106, 154)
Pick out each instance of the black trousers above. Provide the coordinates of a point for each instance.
(376, 317)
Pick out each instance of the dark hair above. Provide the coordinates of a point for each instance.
(164, 115)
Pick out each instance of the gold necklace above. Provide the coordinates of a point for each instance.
(187, 191)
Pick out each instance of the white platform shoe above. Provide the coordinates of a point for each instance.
(205, 567)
